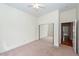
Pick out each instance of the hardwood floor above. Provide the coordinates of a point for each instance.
(68, 42)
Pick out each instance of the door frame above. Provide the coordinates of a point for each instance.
(76, 39)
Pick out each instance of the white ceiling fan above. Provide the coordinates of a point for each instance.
(36, 5)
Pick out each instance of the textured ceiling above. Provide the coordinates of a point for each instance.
(41, 11)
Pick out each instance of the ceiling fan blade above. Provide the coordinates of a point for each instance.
(41, 7)
(30, 5)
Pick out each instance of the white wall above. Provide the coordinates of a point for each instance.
(16, 28)
(52, 17)
(68, 15)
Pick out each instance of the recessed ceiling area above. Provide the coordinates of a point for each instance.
(48, 7)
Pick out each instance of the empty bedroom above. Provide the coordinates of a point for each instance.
(39, 29)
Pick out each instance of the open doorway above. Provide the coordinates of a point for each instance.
(46, 32)
(67, 34)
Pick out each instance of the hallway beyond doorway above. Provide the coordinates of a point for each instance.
(67, 34)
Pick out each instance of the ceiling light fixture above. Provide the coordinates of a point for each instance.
(36, 5)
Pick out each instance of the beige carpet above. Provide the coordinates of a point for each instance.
(40, 48)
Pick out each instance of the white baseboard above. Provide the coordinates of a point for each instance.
(5, 50)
